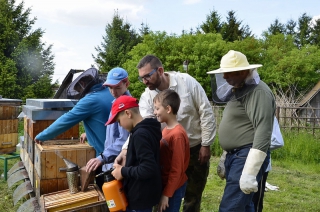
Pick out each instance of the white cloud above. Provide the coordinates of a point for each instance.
(82, 13)
(314, 18)
(191, 1)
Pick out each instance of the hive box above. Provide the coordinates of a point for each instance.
(47, 163)
(33, 128)
(9, 111)
(8, 143)
(46, 186)
(91, 200)
(47, 176)
(8, 126)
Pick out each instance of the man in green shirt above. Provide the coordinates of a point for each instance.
(245, 129)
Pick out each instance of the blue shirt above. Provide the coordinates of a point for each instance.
(116, 136)
(93, 109)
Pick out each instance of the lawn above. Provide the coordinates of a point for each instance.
(299, 188)
(295, 169)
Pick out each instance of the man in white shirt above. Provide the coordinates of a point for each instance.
(195, 115)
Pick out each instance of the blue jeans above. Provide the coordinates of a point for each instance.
(144, 210)
(233, 198)
(175, 200)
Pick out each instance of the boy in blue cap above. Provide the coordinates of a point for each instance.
(117, 82)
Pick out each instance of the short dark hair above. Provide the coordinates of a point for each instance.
(150, 59)
(169, 97)
(134, 110)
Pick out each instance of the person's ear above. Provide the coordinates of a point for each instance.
(127, 83)
(169, 109)
(128, 113)
(160, 70)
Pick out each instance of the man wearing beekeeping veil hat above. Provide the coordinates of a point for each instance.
(245, 129)
(93, 108)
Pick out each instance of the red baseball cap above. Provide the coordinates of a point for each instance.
(122, 103)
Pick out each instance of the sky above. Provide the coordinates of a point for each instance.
(76, 27)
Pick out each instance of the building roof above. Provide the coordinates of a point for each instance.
(312, 93)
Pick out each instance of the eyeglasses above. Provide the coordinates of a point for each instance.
(147, 76)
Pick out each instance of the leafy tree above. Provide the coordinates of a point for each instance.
(23, 57)
(303, 36)
(276, 28)
(291, 28)
(286, 66)
(120, 38)
(212, 24)
(204, 52)
(315, 33)
(232, 29)
(8, 84)
(250, 47)
(144, 30)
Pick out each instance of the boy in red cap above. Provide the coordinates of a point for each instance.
(141, 174)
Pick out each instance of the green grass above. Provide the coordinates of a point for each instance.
(298, 183)
(6, 201)
(295, 169)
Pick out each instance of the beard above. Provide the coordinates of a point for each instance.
(154, 85)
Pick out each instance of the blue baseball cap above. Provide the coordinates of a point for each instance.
(115, 76)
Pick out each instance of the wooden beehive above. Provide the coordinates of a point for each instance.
(42, 161)
(8, 126)
(91, 200)
(46, 186)
(33, 128)
(8, 143)
(47, 163)
(9, 111)
(44, 172)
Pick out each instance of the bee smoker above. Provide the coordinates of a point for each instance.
(113, 192)
(72, 172)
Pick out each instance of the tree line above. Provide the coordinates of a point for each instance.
(288, 51)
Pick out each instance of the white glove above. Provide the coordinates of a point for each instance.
(271, 187)
(221, 171)
(248, 182)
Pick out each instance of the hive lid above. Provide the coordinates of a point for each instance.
(51, 103)
(13, 102)
(36, 113)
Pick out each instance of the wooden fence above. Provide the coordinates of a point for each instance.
(304, 119)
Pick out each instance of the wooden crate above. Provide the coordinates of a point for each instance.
(26, 123)
(9, 126)
(91, 200)
(33, 128)
(29, 146)
(46, 186)
(26, 161)
(30, 171)
(8, 143)
(47, 163)
(9, 112)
